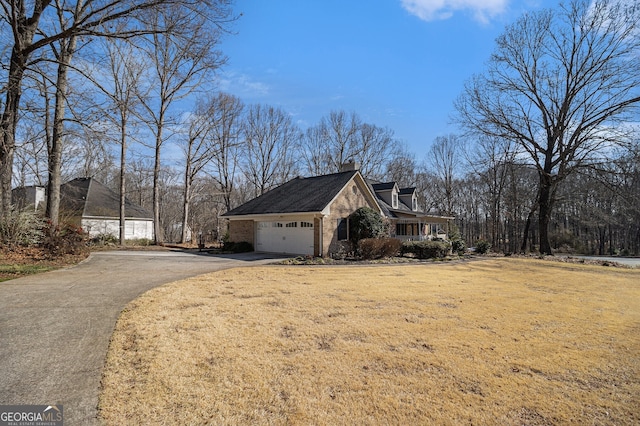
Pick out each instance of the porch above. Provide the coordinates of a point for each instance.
(421, 230)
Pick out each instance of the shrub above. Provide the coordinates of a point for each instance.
(65, 238)
(140, 242)
(457, 243)
(426, 249)
(342, 250)
(377, 248)
(483, 246)
(365, 223)
(105, 240)
(22, 228)
(239, 247)
(458, 246)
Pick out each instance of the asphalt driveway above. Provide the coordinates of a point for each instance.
(55, 327)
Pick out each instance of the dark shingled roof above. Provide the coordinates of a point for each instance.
(87, 197)
(386, 186)
(299, 195)
(407, 191)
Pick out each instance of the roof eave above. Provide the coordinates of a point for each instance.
(257, 216)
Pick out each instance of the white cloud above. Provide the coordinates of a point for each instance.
(431, 10)
(241, 85)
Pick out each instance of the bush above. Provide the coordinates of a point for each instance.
(458, 246)
(365, 223)
(140, 242)
(377, 248)
(23, 228)
(105, 240)
(342, 250)
(65, 238)
(457, 243)
(239, 247)
(483, 246)
(426, 249)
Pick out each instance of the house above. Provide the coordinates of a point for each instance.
(409, 223)
(31, 197)
(309, 216)
(96, 209)
(92, 206)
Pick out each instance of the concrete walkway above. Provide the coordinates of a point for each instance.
(55, 327)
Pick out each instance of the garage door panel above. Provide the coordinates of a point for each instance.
(291, 237)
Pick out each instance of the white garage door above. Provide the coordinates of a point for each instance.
(290, 237)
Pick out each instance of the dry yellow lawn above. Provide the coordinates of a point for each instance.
(502, 341)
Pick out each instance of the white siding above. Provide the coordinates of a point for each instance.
(133, 229)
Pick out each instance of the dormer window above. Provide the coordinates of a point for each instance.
(395, 200)
(414, 204)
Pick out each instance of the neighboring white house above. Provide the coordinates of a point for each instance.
(97, 209)
(92, 206)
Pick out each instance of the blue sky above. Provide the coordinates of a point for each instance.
(396, 63)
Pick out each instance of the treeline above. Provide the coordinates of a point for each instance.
(125, 92)
(231, 152)
(597, 211)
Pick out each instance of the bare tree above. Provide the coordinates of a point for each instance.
(340, 137)
(490, 159)
(63, 49)
(402, 167)
(199, 150)
(560, 84)
(140, 181)
(374, 146)
(314, 155)
(31, 150)
(444, 160)
(181, 60)
(339, 134)
(225, 121)
(122, 89)
(26, 18)
(89, 154)
(270, 137)
(31, 158)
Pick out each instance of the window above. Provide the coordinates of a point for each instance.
(292, 225)
(306, 225)
(414, 204)
(395, 201)
(277, 225)
(401, 229)
(343, 229)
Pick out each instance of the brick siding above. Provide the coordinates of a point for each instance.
(242, 230)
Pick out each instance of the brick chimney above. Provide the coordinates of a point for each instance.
(349, 166)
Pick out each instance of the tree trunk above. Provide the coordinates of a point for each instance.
(67, 47)
(8, 126)
(157, 230)
(545, 206)
(123, 184)
(527, 226)
(187, 198)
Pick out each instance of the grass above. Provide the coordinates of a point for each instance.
(501, 341)
(8, 272)
(21, 261)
